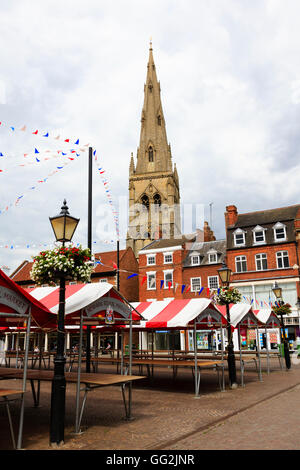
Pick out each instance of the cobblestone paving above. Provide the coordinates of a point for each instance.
(167, 416)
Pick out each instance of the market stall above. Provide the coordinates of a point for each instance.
(91, 305)
(19, 308)
(182, 314)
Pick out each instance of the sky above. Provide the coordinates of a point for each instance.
(230, 88)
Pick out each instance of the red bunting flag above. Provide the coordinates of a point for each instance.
(207, 290)
(144, 279)
(35, 132)
(189, 288)
(115, 266)
(67, 140)
(169, 284)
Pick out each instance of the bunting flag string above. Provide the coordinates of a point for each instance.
(31, 188)
(46, 135)
(37, 132)
(15, 246)
(59, 155)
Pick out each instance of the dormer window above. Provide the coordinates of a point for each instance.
(239, 237)
(279, 232)
(259, 235)
(195, 260)
(212, 257)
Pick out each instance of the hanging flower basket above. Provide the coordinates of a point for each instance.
(68, 262)
(284, 309)
(227, 295)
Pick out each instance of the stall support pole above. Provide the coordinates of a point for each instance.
(268, 354)
(258, 352)
(20, 436)
(77, 421)
(197, 379)
(241, 360)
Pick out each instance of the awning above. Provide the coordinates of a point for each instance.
(241, 314)
(244, 315)
(179, 313)
(268, 317)
(16, 300)
(93, 298)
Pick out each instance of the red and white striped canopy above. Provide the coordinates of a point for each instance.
(179, 313)
(88, 297)
(244, 315)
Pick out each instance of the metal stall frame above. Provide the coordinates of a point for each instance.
(27, 318)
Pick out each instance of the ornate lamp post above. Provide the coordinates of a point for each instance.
(224, 275)
(278, 294)
(64, 227)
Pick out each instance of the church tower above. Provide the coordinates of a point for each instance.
(154, 198)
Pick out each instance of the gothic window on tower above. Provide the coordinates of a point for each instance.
(150, 154)
(157, 200)
(159, 120)
(145, 201)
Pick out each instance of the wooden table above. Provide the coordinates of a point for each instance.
(89, 380)
(5, 398)
(174, 363)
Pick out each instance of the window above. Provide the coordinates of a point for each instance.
(157, 200)
(150, 153)
(150, 259)
(212, 257)
(195, 260)
(145, 201)
(239, 237)
(168, 278)
(241, 264)
(151, 281)
(195, 284)
(261, 262)
(213, 282)
(279, 232)
(168, 258)
(282, 258)
(259, 235)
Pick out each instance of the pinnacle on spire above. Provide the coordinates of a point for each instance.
(131, 166)
(153, 154)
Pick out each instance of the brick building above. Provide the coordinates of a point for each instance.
(263, 247)
(105, 271)
(178, 269)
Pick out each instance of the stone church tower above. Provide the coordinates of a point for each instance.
(154, 198)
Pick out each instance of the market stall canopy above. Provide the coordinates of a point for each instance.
(180, 313)
(16, 300)
(241, 314)
(95, 299)
(268, 317)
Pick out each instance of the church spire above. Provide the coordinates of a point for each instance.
(154, 154)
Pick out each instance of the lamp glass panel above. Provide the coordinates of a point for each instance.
(58, 227)
(224, 275)
(71, 225)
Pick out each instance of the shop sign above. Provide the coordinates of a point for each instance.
(104, 303)
(12, 299)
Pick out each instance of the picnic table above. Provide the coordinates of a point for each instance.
(150, 363)
(6, 397)
(90, 382)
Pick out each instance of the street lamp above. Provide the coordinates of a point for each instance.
(224, 275)
(277, 291)
(64, 227)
